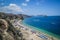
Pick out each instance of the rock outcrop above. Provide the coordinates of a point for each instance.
(8, 32)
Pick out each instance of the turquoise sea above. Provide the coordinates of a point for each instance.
(49, 25)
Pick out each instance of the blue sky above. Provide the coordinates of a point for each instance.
(31, 7)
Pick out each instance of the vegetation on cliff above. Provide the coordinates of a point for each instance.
(7, 30)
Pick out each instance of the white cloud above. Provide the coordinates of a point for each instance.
(27, 0)
(12, 8)
(15, 7)
(24, 4)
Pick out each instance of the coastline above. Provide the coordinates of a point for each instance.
(49, 34)
(30, 32)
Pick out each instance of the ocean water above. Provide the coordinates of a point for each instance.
(48, 23)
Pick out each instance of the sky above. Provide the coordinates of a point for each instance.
(31, 7)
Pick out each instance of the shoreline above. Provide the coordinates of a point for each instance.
(42, 31)
(38, 34)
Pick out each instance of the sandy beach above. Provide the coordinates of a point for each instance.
(29, 33)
